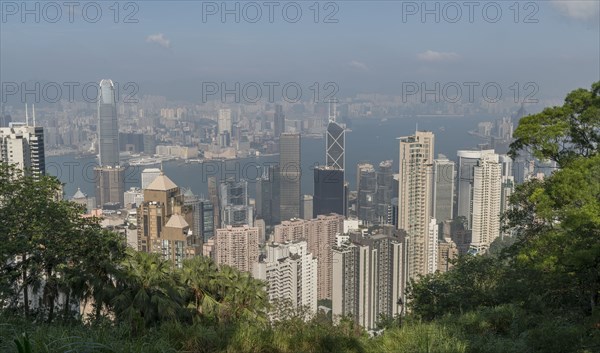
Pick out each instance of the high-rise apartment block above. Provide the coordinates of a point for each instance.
(320, 233)
(385, 192)
(291, 274)
(369, 278)
(467, 160)
(480, 180)
(367, 188)
(414, 199)
(237, 247)
(486, 202)
(443, 189)
(23, 146)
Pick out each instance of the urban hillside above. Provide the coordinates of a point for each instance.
(537, 290)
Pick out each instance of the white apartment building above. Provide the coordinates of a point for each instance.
(320, 234)
(23, 146)
(486, 202)
(291, 274)
(415, 197)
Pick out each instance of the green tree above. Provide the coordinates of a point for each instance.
(199, 276)
(241, 295)
(148, 290)
(562, 133)
(472, 282)
(557, 220)
(48, 247)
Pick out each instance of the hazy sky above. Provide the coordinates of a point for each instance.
(373, 47)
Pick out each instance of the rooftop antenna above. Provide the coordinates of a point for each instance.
(26, 116)
(33, 113)
(416, 127)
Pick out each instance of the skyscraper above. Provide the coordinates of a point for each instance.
(23, 146)
(235, 208)
(320, 234)
(164, 222)
(467, 160)
(307, 207)
(385, 192)
(213, 197)
(443, 189)
(148, 176)
(486, 202)
(224, 122)
(278, 121)
(237, 247)
(414, 198)
(367, 188)
(110, 186)
(224, 127)
(368, 278)
(203, 217)
(290, 173)
(110, 176)
(108, 128)
(329, 191)
(432, 246)
(268, 196)
(336, 139)
(508, 183)
(291, 274)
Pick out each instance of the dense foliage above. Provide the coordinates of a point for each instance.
(536, 292)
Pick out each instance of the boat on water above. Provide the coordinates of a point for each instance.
(144, 161)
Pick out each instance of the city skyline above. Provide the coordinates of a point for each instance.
(339, 165)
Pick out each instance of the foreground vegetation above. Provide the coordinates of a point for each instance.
(538, 292)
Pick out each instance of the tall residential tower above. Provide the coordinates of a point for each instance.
(414, 198)
(22, 145)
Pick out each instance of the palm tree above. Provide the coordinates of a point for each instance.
(199, 276)
(243, 295)
(148, 291)
(101, 269)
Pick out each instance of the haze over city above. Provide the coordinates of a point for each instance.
(369, 47)
(280, 176)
